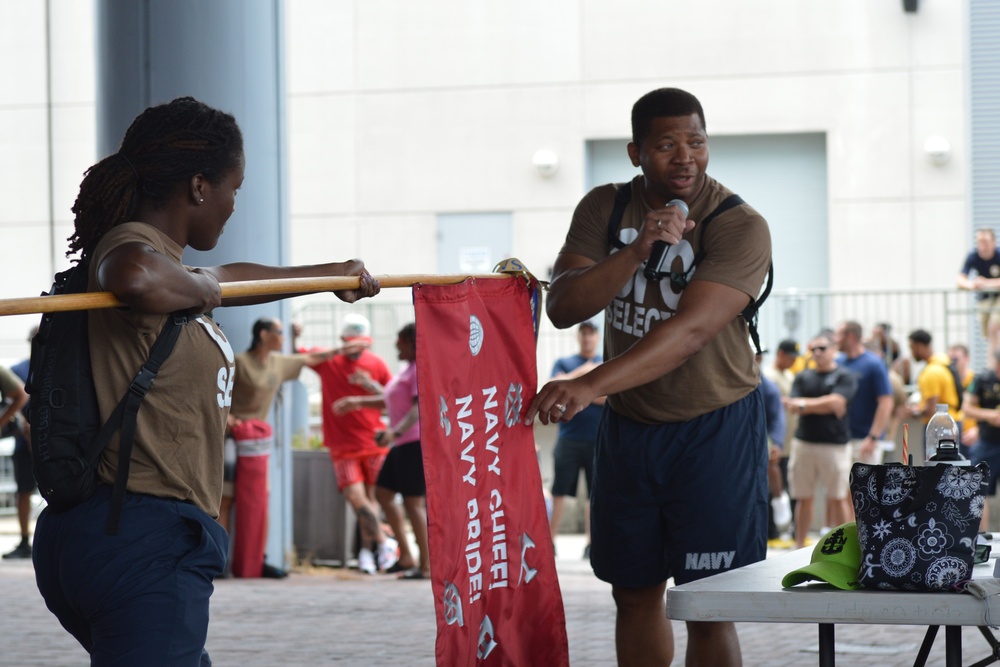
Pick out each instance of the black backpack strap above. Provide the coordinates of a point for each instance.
(622, 198)
(680, 280)
(127, 412)
(749, 313)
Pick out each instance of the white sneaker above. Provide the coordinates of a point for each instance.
(366, 561)
(781, 511)
(388, 553)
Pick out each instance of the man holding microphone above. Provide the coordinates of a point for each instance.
(680, 479)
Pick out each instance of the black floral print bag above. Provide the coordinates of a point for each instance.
(917, 525)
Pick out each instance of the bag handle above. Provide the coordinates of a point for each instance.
(923, 483)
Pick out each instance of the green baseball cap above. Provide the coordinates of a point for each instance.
(836, 559)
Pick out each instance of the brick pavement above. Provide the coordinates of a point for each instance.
(337, 617)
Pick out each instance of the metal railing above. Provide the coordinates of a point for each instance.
(949, 315)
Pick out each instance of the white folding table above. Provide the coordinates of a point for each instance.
(754, 594)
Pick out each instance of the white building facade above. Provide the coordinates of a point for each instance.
(414, 129)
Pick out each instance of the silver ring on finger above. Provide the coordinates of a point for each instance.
(659, 224)
(560, 407)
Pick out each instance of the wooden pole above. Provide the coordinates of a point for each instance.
(246, 288)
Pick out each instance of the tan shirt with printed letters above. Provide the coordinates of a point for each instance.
(178, 448)
(738, 255)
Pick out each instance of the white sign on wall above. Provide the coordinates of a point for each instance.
(475, 259)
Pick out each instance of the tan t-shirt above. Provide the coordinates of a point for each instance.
(738, 255)
(178, 448)
(256, 383)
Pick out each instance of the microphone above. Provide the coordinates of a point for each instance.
(659, 251)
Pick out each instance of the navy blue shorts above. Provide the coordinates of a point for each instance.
(570, 457)
(139, 597)
(403, 470)
(683, 500)
(988, 451)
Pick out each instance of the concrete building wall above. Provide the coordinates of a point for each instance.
(47, 141)
(398, 112)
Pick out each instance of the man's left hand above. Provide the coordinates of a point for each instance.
(560, 401)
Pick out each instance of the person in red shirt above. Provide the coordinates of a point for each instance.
(357, 458)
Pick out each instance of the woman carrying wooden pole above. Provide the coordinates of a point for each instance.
(171, 185)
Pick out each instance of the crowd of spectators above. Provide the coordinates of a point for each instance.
(846, 397)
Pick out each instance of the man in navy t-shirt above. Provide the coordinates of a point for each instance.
(869, 411)
(577, 437)
(984, 263)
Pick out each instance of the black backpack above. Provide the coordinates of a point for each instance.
(67, 436)
(680, 280)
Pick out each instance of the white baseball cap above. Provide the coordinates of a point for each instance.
(356, 326)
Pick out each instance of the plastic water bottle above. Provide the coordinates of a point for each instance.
(941, 438)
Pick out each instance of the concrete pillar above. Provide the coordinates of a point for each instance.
(228, 54)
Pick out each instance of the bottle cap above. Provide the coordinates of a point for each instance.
(947, 451)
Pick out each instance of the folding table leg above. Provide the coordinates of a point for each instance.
(994, 644)
(827, 648)
(953, 646)
(925, 646)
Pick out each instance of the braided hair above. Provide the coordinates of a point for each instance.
(165, 145)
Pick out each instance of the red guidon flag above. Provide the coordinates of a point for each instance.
(496, 594)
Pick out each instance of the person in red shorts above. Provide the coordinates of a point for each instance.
(260, 372)
(357, 459)
(403, 470)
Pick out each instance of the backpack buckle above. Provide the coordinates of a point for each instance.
(143, 382)
(678, 279)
